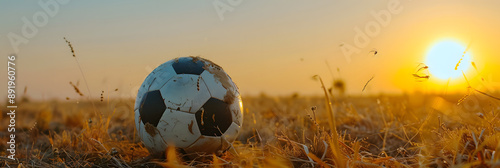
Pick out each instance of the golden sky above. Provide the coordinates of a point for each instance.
(265, 46)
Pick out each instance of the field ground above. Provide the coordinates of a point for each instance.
(393, 131)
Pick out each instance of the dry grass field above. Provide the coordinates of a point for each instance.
(411, 130)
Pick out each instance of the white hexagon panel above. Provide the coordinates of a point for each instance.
(185, 92)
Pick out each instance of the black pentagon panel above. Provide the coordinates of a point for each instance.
(152, 107)
(186, 65)
(213, 118)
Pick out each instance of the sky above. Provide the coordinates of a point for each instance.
(272, 47)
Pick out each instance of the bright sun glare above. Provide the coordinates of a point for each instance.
(443, 57)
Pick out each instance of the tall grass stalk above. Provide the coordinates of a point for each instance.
(83, 76)
(338, 157)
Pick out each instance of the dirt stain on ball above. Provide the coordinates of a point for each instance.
(196, 58)
(218, 73)
(150, 129)
(229, 97)
(223, 78)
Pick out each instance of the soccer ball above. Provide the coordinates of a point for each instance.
(189, 103)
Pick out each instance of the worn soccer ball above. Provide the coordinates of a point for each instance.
(189, 103)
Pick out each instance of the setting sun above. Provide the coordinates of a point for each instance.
(442, 59)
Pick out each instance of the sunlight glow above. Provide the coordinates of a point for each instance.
(443, 57)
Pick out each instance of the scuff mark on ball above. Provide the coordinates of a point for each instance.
(202, 113)
(150, 129)
(190, 127)
(198, 83)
